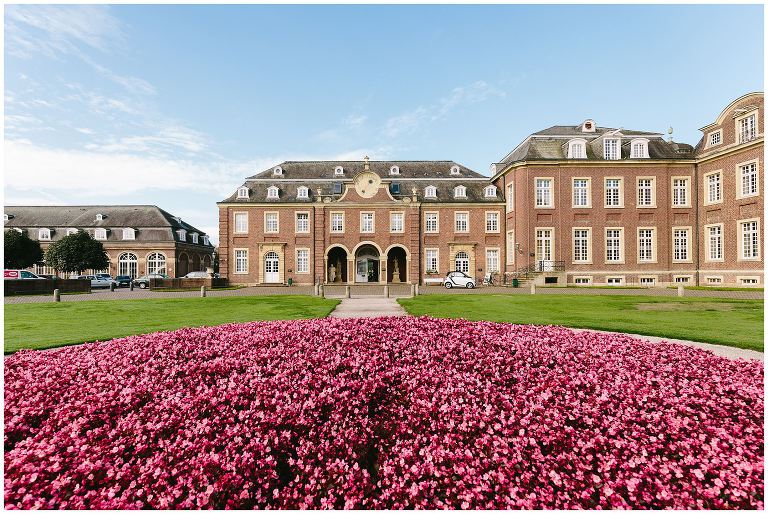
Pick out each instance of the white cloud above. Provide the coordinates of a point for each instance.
(167, 139)
(355, 120)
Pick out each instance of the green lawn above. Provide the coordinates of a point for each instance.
(736, 323)
(45, 325)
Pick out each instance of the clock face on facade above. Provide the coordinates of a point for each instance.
(367, 184)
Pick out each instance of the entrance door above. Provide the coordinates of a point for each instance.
(271, 268)
(544, 260)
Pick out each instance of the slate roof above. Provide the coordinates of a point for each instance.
(408, 169)
(151, 222)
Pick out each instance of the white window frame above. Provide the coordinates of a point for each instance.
(492, 218)
(711, 135)
(586, 280)
(548, 190)
(654, 279)
(511, 197)
(243, 192)
(740, 178)
(273, 193)
(707, 196)
(488, 267)
(490, 192)
(743, 136)
(587, 189)
(302, 192)
(338, 171)
(638, 149)
(299, 269)
(393, 216)
(676, 279)
(620, 205)
(620, 278)
(269, 215)
(194, 235)
(748, 280)
(588, 259)
(100, 234)
(236, 261)
(714, 279)
(427, 228)
(510, 247)
(436, 258)
(621, 258)
(182, 235)
(430, 192)
(71, 231)
(465, 216)
(241, 215)
(708, 242)
(686, 191)
(654, 246)
(155, 264)
(335, 216)
(460, 192)
(44, 234)
(363, 221)
(129, 234)
(573, 144)
(652, 188)
(740, 224)
(298, 228)
(468, 259)
(688, 231)
(611, 156)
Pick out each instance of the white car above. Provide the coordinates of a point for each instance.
(458, 279)
(198, 274)
(97, 281)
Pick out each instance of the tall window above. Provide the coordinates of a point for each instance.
(366, 222)
(431, 257)
(613, 192)
(748, 173)
(462, 262)
(577, 150)
(581, 245)
(639, 150)
(270, 223)
(396, 222)
(680, 192)
(581, 192)
(645, 192)
(430, 222)
(645, 244)
(491, 221)
(511, 197)
(747, 129)
(612, 150)
(750, 248)
(491, 260)
(510, 246)
(714, 187)
(302, 261)
(543, 192)
(241, 261)
(680, 244)
(241, 222)
(462, 221)
(337, 222)
(613, 245)
(128, 264)
(543, 248)
(302, 222)
(156, 263)
(715, 242)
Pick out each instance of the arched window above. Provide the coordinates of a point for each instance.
(490, 191)
(430, 192)
(577, 149)
(156, 263)
(462, 262)
(455, 170)
(129, 234)
(44, 234)
(460, 192)
(128, 264)
(272, 192)
(277, 171)
(338, 170)
(394, 170)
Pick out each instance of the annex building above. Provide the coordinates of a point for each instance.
(573, 204)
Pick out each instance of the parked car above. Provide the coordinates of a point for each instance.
(104, 275)
(97, 282)
(143, 281)
(198, 274)
(48, 277)
(123, 281)
(458, 279)
(17, 274)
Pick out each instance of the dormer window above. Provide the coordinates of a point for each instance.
(577, 149)
(588, 126)
(490, 191)
(337, 188)
(71, 231)
(338, 171)
(639, 149)
(44, 234)
(394, 170)
(100, 217)
(100, 234)
(182, 234)
(302, 192)
(394, 188)
(194, 237)
(430, 192)
(243, 192)
(129, 234)
(612, 149)
(715, 138)
(277, 171)
(455, 170)
(460, 192)
(7, 217)
(206, 240)
(272, 192)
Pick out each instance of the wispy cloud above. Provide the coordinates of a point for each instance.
(355, 120)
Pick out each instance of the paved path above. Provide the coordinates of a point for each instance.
(371, 307)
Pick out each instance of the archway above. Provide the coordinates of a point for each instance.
(367, 264)
(206, 262)
(128, 264)
(196, 263)
(182, 268)
(336, 265)
(397, 265)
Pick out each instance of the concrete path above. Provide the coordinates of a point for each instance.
(371, 307)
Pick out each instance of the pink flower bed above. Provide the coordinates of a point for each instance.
(384, 413)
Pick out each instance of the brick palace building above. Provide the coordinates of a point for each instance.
(577, 204)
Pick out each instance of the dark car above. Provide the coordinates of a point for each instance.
(123, 281)
(143, 281)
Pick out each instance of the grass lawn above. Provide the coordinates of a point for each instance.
(728, 322)
(46, 325)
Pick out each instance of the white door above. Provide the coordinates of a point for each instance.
(544, 250)
(462, 262)
(271, 268)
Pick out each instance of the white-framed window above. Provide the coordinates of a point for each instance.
(714, 280)
(459, 192)
(430, 192)
(397, 222)
(577, 149)
(492, 260)
(44, 234)
(100, 217)
(545, 246)
(271, 223)
(714, 185)
(750, 240)
(715, 138)
(302, 223)
(544, 192)
(491, 221)
(646, 241)
(337, 222)
(100, 234)
(366, 222)
(582, 281)
(489, 192)
(748, 281)
(302, 260)
(581, 192)
(129, 234)
(128, 264)
(613, 192)
(681, 244)
(302, 192)
(243, 192)
(455, 170)
(431, 222)
(747, 128)
(461, 221)
(581, 245)
(241, 261)
(431, 260)
(206, 240)
(511, 197)
(277, 171)
(714, 242)
(338, 170)
(273, 192)
(646, 195)
(614, 281)
(648, 281)
(748, 179)
(639, 149)
(612, 149)
(680, 189)
(241, 223)
(614, 242)
(71, 231)
(394, 170)
(681, 279)
(156, 263)
(510, 247)
(461, 261)
(194, 236)
(182, 235)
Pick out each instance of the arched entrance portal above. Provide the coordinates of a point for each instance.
(396, 265)
(367, 264)
(336, 265)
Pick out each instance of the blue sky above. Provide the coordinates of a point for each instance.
(175, 105)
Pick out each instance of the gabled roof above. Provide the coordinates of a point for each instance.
(325, 169)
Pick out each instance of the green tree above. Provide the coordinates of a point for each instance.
(76, 253)
(20, 251)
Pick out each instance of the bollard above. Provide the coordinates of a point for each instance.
(680, 291)
(112, 286)
(317, 289)
(321, 291)
(131, 285)
(386, 291)
(202, 291)
(533, 288)
(417, 289)
(56, 295)
(346, 292)
(413, 289)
